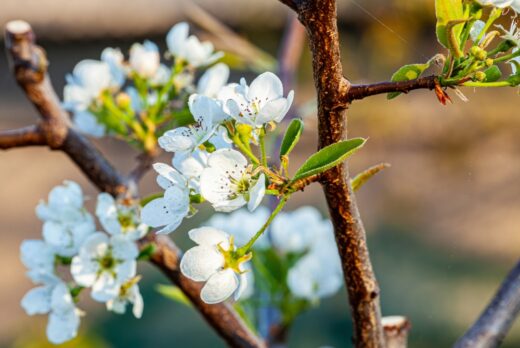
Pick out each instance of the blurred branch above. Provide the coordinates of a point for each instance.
(27, 136)
(290, 51)
(319, 18)
(29, 64)
(227, 39)
(493, 324)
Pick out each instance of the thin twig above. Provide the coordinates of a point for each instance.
(30, 69)
(495, 321)
(27, 136)
(356, 92)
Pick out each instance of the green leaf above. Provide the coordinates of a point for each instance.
(328, 157)
(360, 179)
(493, 74)
(447, 11)
(407, 73)
(173, 293)
(291, 137)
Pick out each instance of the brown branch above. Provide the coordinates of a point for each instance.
(362, 91)
(30, 68)
(221, 316)
(27, 136)
(319, 18)
(495, 321)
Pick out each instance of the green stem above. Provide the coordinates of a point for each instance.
(487, 84)
(244, 149)
(261, 140)
(507, 57)
(247, 248)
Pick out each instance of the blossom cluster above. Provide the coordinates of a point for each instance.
(73, 256)
(134, 98)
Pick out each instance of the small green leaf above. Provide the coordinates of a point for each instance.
(407, 73)
(360, 179)
(328, 157)
(493, 74)
(447, 11)
(173, 293)
(291, 137)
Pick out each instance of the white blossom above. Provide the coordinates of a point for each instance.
(210, 262)
(145, 59)
(189, 48)
(104, 264)
(66, 223)
(186, 139)
(115, 60)
(512, 35)
(38, 258)
(169, 210)
(243, 225)
(228, 184)
(317, 274)
(56, 300)
(162, 76)
(212, 81)
(258, 104)
(128, 294)
(120, 217)
(297, 230)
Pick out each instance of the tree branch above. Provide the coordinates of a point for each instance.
(493, 324)
(27, 136)
(319, 18)
(30, 68)
(362, 91)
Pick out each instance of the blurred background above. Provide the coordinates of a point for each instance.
(443, 221)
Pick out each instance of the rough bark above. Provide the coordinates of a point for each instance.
(319, 18)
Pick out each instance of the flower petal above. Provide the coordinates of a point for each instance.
(209, 236)
(219, 286)
(265, 87)
(200, 262)
(37, 300)
(63, 327)
(256, 193)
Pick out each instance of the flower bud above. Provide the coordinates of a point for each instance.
(478, 53)
(123, 100)
(489, 62)
(145, 59)
(480, 76)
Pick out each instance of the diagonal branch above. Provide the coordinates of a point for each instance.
(27, 136)
(493, 324)
(319, 18)
(30, 68)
